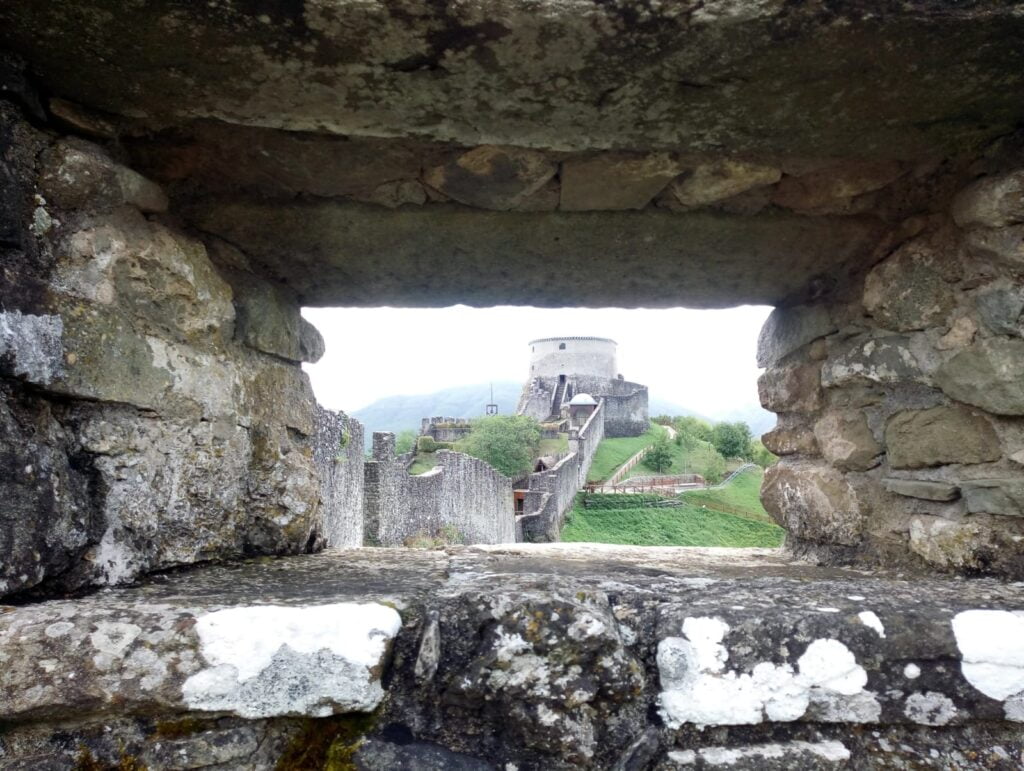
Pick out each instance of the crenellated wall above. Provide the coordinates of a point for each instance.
(901, 404)
(462, 498)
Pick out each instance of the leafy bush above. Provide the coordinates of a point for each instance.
(426, 444)
(507, 442)
(404, 442)
(444, 445)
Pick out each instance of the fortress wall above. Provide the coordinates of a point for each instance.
(475, 499)
(626, 415)
(462, 493)
(338, 456)
(552, 492)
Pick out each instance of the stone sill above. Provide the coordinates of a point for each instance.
(582, 654)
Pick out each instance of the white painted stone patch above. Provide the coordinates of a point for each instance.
(869, 618)
(992, 645)
(268, 660)
(829, 751)
(698, 689)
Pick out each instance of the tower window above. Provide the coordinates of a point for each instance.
(561, 346)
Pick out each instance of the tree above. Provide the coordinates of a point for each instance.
(404, 442)
(732, 440)
(660, 456)
(507, 442)
(689, 425)
(761, 455)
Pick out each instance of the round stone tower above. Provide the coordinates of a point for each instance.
(554, 356)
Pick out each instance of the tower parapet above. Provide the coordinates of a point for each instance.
(554, 356)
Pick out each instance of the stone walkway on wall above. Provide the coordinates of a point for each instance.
(549, 656)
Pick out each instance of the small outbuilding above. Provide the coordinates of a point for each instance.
(581, 407)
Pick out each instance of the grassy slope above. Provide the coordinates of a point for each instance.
(683, 462)
(612, 453)
(424, 462)
(742, 494)
(682, 526)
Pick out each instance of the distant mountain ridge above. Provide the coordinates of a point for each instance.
(401, 413)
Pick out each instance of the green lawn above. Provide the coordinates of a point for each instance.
(424, 462)
(553, 446)
(681, 526)
(743, 495)
(612, 453)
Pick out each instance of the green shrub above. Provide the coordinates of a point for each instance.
(426, 444)
(444, 445)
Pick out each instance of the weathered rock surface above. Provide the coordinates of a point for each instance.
(589, 72)
(993, 202)
(995, 496)
(791, 388)
(711, 182)
(615, 181)
(788, 329)
(345, 253)
(814, 502)
(911, 289)
(920, 438)
(921, 488)
(846, 441)
(556, 656)
(988, 374)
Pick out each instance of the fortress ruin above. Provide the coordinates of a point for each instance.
(178, 179)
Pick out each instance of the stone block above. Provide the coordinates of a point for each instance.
(995, 496)
(790, 440)
(993, 201)
(611, 181)
(960, 334)
(1004, 246)
(1001, 308)
(711, 182)
(988, 374)
(830, 189)
(80, 175)
(911, 288)
(787, 329)
(846, 441)
(961, 546)
(940, 435)
(267, 318)
(923, 489)
(791, 388)
(491, 177)
(872, 360)
(311, 342)
(813, 502)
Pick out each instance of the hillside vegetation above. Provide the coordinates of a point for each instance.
(741, 497)
(612, 453)
(679, 526)
(701, 521)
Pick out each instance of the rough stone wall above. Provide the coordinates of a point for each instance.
(626, 411)
(462, 498)
(901, 405)
(338, 456)
(154, 409)
(626, 415)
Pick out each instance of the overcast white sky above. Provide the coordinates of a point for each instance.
(703, 360)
